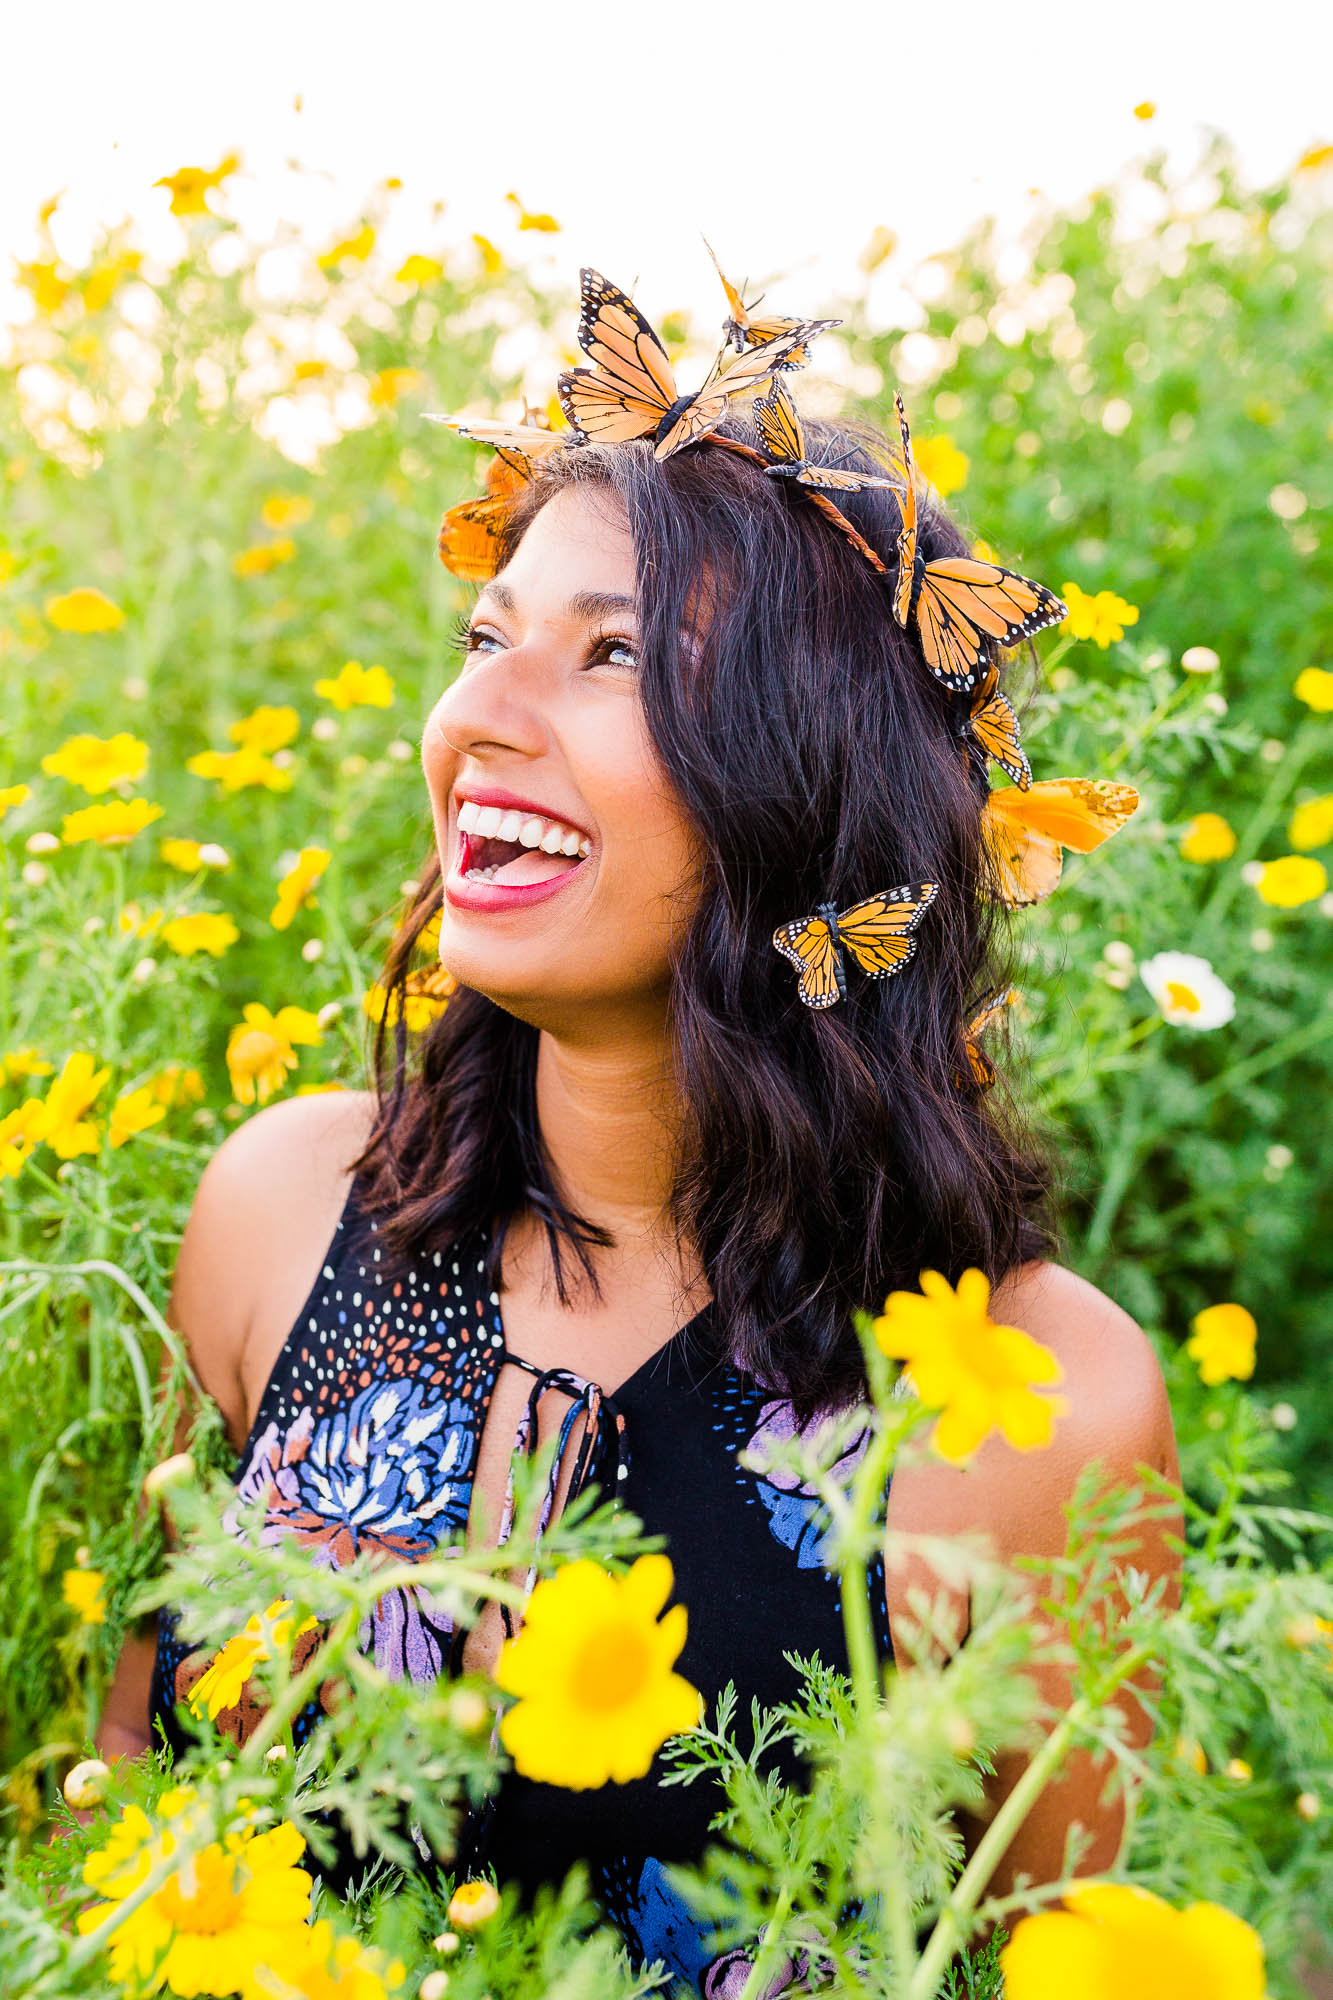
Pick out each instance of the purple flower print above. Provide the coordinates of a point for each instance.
(796, 1515)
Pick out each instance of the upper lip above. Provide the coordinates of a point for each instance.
(496, 795)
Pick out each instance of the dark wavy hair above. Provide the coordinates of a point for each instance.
(826, 1157)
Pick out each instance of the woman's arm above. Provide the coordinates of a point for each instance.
(1119, 1414)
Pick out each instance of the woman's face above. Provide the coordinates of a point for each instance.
(570, 869)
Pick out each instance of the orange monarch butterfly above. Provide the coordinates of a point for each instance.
(877, 932)
(469, 543)
(1025, 831)
(518, 444)
(630, 391)
(960, 603)
(784, 440)
(992, 721)
(990, 1010)
(744, 331)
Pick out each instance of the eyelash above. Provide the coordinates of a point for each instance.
(466, 638)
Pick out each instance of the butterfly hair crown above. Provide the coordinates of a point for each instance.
(961, 611)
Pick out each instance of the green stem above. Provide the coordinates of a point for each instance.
(857, 1627)
(769, 1952)
(953, 1926)
(1118, 1172)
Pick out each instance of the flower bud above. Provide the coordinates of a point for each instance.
(178, 1470)
(434, 1986)
(42, 843)
(447, 1943)
(213, 856)
(1307, 1805)
(473, 1904)
(468, 1710)
(86, 1784)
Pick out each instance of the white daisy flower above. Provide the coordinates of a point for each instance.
(1187, 990)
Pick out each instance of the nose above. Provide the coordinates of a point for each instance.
(495, 706)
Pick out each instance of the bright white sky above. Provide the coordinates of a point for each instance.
(786, 132)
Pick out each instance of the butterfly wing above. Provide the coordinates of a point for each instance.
(990, 1010)
(750, 370)
(1026, 830)
(878, 931)
(738, 325)
(841, 482)
(808, 943)
(779, 426)
(964, 604)
(995, 727)
(630, 387)
(907, 534)
(469, 543)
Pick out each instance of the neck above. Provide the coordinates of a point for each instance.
(610, 1119)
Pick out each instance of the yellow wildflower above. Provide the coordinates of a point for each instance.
(1311, 160)
(962, 1363)
(1314, 686)
(533, 218)
(83, 610)
(261, 1049)
(44, 284)
(1112, 1938)
(21, 1133)
(82, 1591)
(79, 1083)
(182, 854)
(939, 460)
(351, 250)
(418, 270)
(1101, 618)
(492, 263)
(286, 510)
(592, 1668)
(102, 282)
(96, 762)
(358, 687)
(202, 931)
(330, 1968)
(309, 371)
(221, 1685)
(1146, 110)
(1240, 1770)
(12, 795)
(263, 557)
(1208, 837)
(391, 383)
(420, 1007)
(1311, 824)
(236, 770)
(294, 890)
(110, 825)
(983, 552)
(190, 185)
(134, 1112)
(1223, 1344)
(879, 248)
(134, 921)
(472, 1905)
(266, 729)
(26, 1061)
(1188, 1750)
(1294, 879)
(177, 1085)
(228, 1910)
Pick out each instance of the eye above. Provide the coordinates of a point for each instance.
(616, 651)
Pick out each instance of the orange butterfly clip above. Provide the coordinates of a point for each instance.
(630, 391)
(877, 932)
(987, 1014)
(469, 541)
(991, 720)
(743, 330)
(1026, 830)
(958, 602)
(784, 441)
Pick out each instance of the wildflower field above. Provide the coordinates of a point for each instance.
(222, 621)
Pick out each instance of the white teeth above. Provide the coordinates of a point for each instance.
(531, 831)
(551, 839)
(585, 847)
(509, 826)
(467, 817)
(552, 836)
(488, 821)
(570, 843)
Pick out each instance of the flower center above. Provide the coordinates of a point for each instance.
(255, 1049)
(1183, 997)
(611, 1667)
(202, 1899)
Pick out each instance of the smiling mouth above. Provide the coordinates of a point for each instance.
(513, 849)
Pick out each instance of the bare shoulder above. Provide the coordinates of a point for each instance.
(264, 1211)
(1117, 1413)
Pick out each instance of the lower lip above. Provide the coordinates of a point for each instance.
(463, 894)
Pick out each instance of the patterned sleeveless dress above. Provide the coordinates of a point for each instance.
(366, 1439)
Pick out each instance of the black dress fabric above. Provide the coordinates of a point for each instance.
(366, 1438)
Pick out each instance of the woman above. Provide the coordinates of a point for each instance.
(634, 1185)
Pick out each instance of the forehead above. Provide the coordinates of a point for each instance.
(579, 541)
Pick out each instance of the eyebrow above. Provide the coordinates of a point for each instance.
(584, 605)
